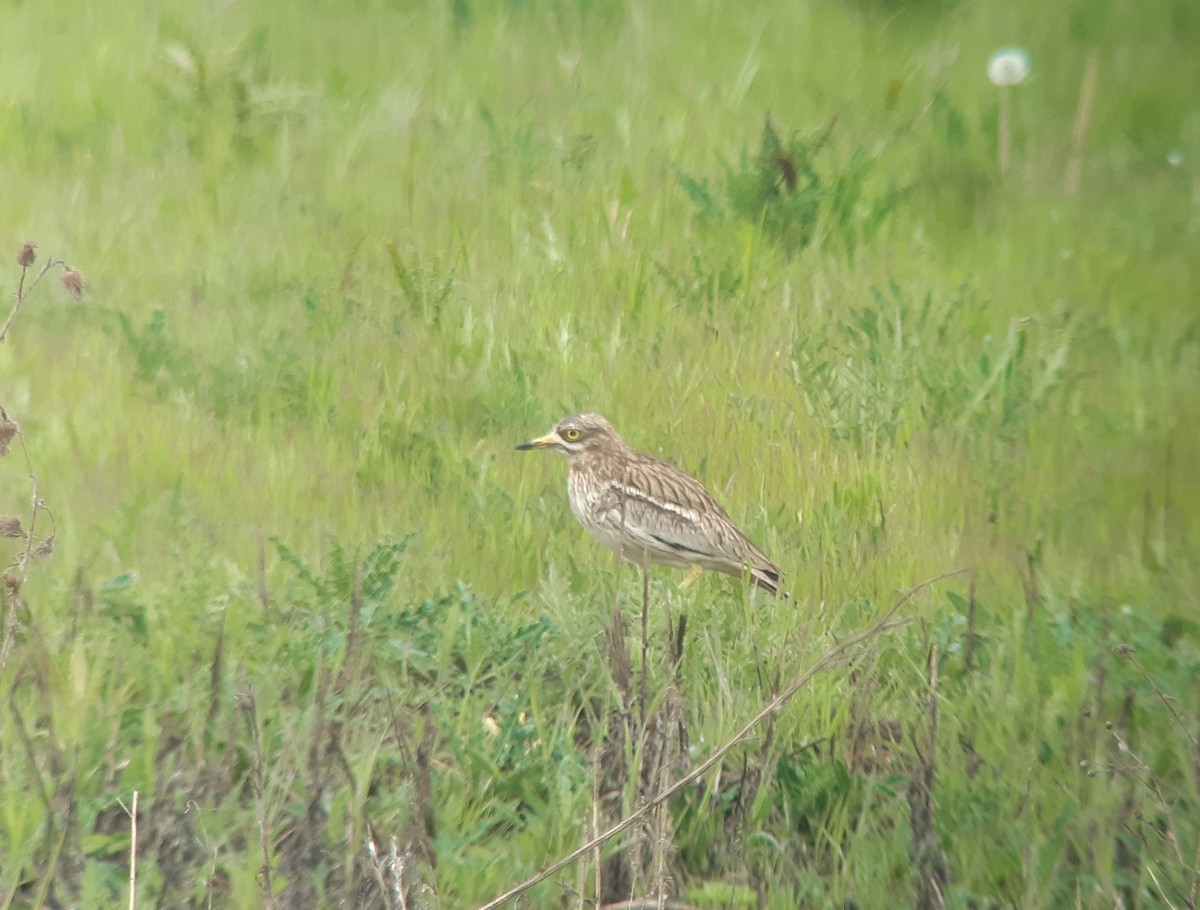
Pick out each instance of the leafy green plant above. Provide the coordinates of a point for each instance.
(703, 287)
(425, 290)
(789, 190)
(159, 359)
(224, 94)
(875, 374)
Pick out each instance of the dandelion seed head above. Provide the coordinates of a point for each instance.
(1008, 66)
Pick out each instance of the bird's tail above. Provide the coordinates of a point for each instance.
(768, 577)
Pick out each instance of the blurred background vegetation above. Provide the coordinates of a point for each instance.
(340, 257)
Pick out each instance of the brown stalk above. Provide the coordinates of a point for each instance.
(924, 847)
(258, 779)
(969, 656)
(352, 633)
(264, 595)
(1083, 116)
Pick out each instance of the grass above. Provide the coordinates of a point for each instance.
(349, 647)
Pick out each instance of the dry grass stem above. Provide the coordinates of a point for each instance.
(1005, 141)
(971, 635)
(14, 579)
(258, 779)
(1083, 116)
(133, 834)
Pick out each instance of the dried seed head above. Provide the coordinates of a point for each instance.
(11, 582)
(73, 282)
(8, 429)
(1008, 66)
(26, 257)
(10, 526)
(45, 548)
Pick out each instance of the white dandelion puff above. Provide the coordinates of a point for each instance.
(1008, 66)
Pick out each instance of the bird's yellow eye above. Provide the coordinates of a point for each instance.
(571, 435)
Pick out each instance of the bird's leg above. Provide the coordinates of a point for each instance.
(693, 573)
(644, 694)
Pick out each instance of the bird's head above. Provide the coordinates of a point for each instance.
(576, 435)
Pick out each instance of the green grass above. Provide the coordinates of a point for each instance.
(340, 259)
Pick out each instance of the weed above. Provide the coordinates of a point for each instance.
(786, 190)
(880, 371)
(423, 289)
(32, 546)
(223, 95)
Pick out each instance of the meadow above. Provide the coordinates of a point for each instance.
(290, 623)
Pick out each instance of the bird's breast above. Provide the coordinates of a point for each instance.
(597, 504)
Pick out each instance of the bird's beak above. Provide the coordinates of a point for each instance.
(549, 441)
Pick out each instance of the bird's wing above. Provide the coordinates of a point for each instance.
(656, 507)
(659, 506)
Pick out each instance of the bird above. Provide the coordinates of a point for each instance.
(646, 510)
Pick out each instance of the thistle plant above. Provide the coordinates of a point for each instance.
(32, 546)
(71, 279)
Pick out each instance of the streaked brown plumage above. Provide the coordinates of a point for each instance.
(646, 510)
